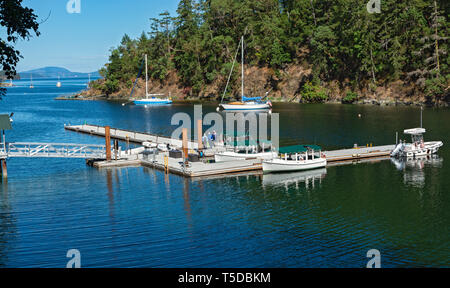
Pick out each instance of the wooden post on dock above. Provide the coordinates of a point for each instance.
(4, 169)
(116, 149)
(166, 163)
(200, 134)
(185, 145)
(108, 142)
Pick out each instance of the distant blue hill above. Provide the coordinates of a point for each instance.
(55, 72)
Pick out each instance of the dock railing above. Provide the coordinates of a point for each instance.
(54, 150)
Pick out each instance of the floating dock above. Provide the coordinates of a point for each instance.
(127, 135)
(175, 165)
(137, 137)
(358, 153)
(205, 168)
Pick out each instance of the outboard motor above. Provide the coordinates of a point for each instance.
(398, 149)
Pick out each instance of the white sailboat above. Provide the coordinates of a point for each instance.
(151, 99)
(255, 103)
(296, 158)
(31, 81)
(58, 84)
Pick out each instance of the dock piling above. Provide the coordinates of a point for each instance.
(108, 143)
(4, 169)
(116, 149)
(185, 148)
(200, 134)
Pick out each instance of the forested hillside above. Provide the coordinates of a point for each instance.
(302, 50)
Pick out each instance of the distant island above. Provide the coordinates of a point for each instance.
(54, 72)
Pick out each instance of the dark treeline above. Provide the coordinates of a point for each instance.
(338, 39)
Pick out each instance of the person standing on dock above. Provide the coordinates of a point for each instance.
(213, 138)
(205, 141)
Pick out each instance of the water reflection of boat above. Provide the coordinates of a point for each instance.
(418, 162)
(297, 177)
(414, 169)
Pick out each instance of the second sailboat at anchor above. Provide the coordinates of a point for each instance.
(254, 103)
(151, 99)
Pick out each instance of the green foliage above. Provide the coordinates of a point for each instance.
(350, 97)
(18, 23)
(435, 88)
(312, 93)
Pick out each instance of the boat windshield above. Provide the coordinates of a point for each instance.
(417, 138)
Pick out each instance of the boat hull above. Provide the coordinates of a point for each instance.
(411, 151)
(243, 107)
(280, 165)
(153, 102)
(233, 156)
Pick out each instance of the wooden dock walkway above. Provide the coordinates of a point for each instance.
(358, 153)
(131, 136)
(195, 169)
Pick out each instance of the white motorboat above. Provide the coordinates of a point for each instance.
(296, 158)
(246, 150)
(418, 147)
(151, 99)
(243, 155)
(246, 104)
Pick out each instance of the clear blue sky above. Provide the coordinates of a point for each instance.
(81, 42)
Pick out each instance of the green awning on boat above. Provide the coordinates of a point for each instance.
(292, 149)
(313, 147)
(298, 149)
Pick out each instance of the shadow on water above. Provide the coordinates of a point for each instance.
(7, 224)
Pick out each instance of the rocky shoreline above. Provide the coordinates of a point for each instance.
(287, 88)
(375, 102)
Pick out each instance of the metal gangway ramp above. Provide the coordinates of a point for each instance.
(52, 150)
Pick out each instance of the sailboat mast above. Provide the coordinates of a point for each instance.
(146, 77)
(242, 67)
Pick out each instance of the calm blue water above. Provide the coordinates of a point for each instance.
(139, 217)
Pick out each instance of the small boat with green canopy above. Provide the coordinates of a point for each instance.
(239, 146)
(296, 158)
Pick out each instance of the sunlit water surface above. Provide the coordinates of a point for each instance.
(138, 217)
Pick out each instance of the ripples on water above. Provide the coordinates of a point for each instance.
(138, 217)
